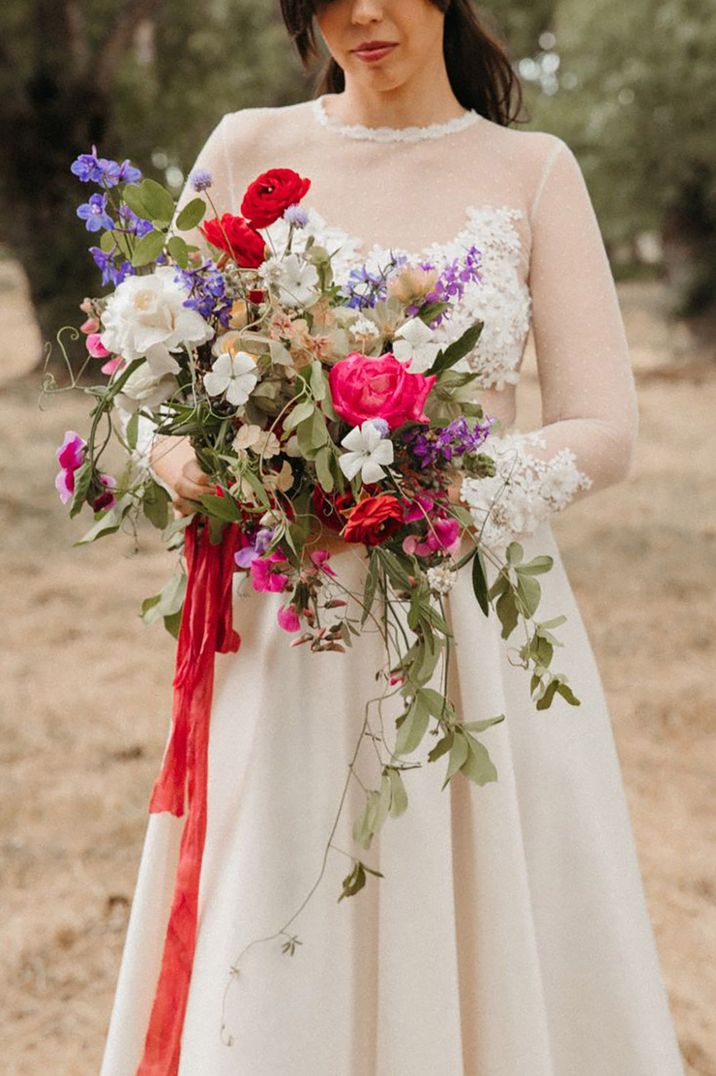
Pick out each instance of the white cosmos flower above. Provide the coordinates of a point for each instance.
(233, 374)
(368, 449)
(295, 279)
(146, 318)
(415, 340)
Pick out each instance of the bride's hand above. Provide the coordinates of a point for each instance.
(174, 461)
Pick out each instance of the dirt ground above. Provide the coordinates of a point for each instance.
(86, 694)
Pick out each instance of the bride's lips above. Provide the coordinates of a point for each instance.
(372, 51)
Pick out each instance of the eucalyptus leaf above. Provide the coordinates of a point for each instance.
(529, 593)
(506, 609)
(478, 767)
(457, 758)
(480, 726)
(398, 795)
(537, 566)
(413, 728)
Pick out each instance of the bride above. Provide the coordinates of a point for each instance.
(509, 934)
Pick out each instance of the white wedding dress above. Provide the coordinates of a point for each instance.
(509, 935)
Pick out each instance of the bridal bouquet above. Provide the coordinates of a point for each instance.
(315, 408)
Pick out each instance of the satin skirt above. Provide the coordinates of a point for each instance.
(509, 935)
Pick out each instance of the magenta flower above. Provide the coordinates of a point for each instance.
(288, 618)
(65, 485)
(320, 558)
(444, 537)
(106, 499)
(71, 452)
(95, 346)
(419, 508)
(111, 364)
(266, 574)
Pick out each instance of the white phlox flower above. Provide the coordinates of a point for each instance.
(295, 280)
(415, 340)
(368, 451)
(233, 374)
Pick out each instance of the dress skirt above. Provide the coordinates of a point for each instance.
(509, 935)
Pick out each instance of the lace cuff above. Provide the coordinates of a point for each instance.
(525, 489)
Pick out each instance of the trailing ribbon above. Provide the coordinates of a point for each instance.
(206, 628)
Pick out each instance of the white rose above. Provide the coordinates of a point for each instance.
(144, 389)
(146, 318)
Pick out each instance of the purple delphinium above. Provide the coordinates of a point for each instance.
(201, 180)
(94, 213)
(131, 223)
(430, 447)
(112, 273)
(366, 287)
(207, 291)
(89, 168)
(455, 276)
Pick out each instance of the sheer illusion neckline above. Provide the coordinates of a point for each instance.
(391, 134)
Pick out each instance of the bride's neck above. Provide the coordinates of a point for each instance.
(424, 99)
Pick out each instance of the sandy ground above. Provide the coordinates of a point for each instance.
(86, 694)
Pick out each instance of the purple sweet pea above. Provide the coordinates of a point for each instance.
(261, 541)
(94, 213)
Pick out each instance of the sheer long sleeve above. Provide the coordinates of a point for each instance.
(589, 410)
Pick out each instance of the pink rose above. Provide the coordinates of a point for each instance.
(363, 388)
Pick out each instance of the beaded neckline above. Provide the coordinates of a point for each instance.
(392, 134)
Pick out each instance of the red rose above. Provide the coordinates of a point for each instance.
(374, 519)
(237, 239)
(271, 194)
(363, 387)
(328, 506)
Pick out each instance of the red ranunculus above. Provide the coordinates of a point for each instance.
(237, 239)
(271, 194)
(374, 519)
(363, 388)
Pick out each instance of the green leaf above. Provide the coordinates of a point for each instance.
(178, 250)
(107, 242)
(191, 215)
(515, 553)
(132, 431)
(506, 609)
(132, 195)
(398, 795)
(480, 726)
(529, 593)
(568, 695)
(83, 480)
(110, 522)
(371, 583)
(323, 468)
(457, 350)
(537, 566)
(319, 385)
(478, 767)
(458, 756)
(168, 602)
(555, 623)
(157, 201)
(300, 412)
(224, 508)
(155, 504)
(479, 583)
(413, 728)
(546, 701)
(436, 703)
(441, 747)
(353, 882)
(148, 249)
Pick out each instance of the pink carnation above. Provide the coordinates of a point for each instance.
(363, 388)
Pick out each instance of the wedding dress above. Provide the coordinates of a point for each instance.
(509, 935)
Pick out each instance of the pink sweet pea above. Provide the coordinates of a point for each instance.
(288, 618)
(106, 499)
(71, 452)
(265, 574)
(95, 346)
(364, 387)
(65, 485)
(320, 558)
(418, 508)
(444, 535)
(89, 326)
(111, 365)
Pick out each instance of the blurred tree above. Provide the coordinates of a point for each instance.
(142, 77)
(634, 94)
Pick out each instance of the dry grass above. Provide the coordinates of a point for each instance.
(86, 687)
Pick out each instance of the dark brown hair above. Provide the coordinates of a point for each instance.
(481, 75)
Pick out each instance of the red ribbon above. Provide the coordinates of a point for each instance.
(206, 628)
